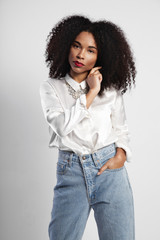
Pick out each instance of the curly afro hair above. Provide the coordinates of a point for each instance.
(114, 53)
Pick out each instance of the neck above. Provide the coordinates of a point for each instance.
(78, 77)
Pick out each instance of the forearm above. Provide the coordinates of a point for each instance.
(120, 126)
(121, 154)
(90, 97)
(62, 121)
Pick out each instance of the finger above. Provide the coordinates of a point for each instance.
(95, 73)
(98, 74)
(104, 167)
(94, 69)
(100, 78)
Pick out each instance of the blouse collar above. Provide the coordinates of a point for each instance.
(74, 84)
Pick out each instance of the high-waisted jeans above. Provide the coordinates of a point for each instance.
(79, 188)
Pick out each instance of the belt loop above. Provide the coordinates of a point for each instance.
(94, 157)
(70, 159)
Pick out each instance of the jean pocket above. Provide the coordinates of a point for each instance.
(62, 163)
(103, 161)
(114, 169)
(62, 167)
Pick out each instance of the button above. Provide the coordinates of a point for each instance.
(93, 197)
(84, 157)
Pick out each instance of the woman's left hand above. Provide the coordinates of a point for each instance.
(115, 162)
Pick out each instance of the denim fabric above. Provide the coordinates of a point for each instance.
(79, 188)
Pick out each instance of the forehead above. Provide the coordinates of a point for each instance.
(86, 38)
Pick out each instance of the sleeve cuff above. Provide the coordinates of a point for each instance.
(83, 100)
(127, 149)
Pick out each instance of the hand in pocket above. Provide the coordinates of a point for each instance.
(112, 163)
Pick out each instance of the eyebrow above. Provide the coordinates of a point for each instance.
(88, 46)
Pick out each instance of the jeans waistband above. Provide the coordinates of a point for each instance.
(100, 153)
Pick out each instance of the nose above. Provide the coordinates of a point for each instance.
(80, 54)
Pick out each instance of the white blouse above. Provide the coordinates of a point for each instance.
(75, 128)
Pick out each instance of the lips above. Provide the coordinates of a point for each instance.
(78, 64)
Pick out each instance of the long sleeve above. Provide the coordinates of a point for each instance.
(62, 121)
(120, 126)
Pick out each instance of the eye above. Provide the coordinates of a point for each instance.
(91, 51)
(75, 46)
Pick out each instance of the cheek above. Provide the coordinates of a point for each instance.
(71, 56)
(92, 61)
(72, 52)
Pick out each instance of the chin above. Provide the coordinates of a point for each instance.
(78, 70)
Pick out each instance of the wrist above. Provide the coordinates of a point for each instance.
(94, 91)
(121, 154)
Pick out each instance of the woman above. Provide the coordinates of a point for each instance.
(91, 67)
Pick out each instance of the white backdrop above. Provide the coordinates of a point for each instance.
(28, 166)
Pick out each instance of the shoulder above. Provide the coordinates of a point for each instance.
(50, 84)
(112, 92)
(114, 96)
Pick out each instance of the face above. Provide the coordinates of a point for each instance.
(83, 53)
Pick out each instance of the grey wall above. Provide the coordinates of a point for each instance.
(28, 166)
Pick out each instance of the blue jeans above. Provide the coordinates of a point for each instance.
(79, 188)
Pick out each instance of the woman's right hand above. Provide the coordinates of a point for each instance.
(94, 79)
